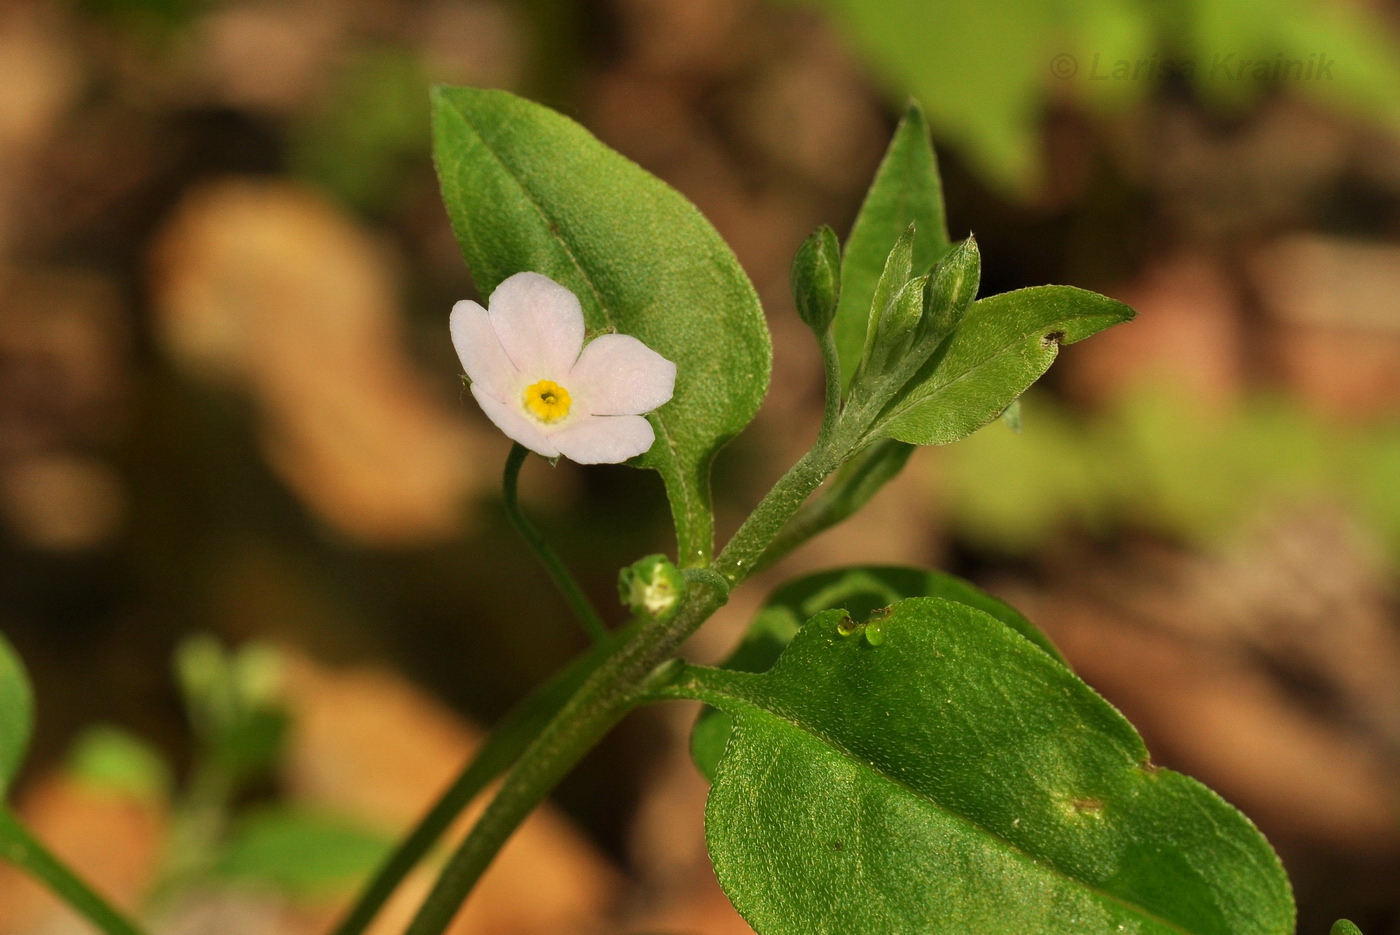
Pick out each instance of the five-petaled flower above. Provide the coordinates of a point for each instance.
(534, 378)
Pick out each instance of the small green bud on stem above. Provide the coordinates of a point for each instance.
(816, 279)
(652, 587)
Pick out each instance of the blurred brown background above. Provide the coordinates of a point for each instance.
(228, 402)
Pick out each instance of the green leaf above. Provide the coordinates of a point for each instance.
(109, 759)
(955, 778)
(981, 76)
(1002, 346)
(16, 715)
(1345, 927)
(299, 853)
(860, 591)
(906, 190)
(529, 189)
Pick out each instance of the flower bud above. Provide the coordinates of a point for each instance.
(651, 587)
(899, 266)
(895, 330)
(951, 288)
(816, 279)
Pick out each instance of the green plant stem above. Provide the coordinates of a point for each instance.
(19, 847)
(831, 363)
(199, 823)
(573, 594)
(855, 483)
(504, 745)
(620, 681)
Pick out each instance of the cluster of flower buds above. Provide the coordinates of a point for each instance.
(913, 313)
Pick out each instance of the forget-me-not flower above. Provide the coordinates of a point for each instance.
(534, 378)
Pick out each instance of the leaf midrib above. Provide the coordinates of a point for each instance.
(751, 705)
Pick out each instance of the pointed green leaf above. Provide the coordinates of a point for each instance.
(16, 715)
(530, 189)
(950, 777)
(906, 191)
(1002, 346)
(859, 590)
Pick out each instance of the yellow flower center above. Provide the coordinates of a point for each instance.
(547, 401)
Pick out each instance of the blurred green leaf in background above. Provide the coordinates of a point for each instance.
(987, 78)
(1164, 462)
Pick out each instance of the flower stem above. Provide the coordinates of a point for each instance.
(622, 680)
(18, 846)
(573, 594)
(831, 363)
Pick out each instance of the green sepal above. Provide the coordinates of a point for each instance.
(951, 288)
(894, 277)
(651, 587)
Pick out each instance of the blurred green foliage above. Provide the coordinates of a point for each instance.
(109, 759)
(152, 18)
(986, 76)
(1164, 462)
(361, 144)
(299, 853)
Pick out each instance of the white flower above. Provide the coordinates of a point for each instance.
(534, 378)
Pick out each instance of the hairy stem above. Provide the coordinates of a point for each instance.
(558, 572)
(622, 680)
(831, 364)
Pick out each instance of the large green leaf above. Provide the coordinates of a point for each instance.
(906, 190)
(1003, 344)
(16, 715)
(950, 777)
(859, 590)
(529, 189)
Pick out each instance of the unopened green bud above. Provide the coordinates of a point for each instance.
(894, 332)
(652, 587)
(816, 279)
(899, 266)
(951, 288)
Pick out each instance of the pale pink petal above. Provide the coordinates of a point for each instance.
(617, 375)
(539, 323)
(516, 426)
(603, 439)
(480, 351)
